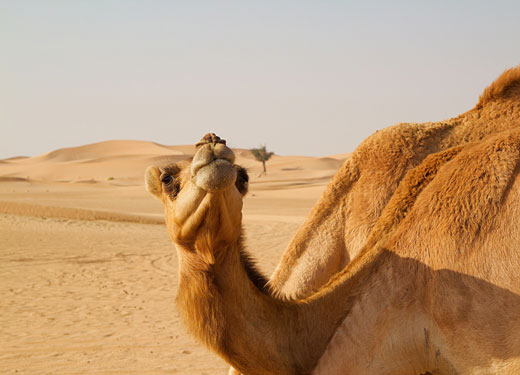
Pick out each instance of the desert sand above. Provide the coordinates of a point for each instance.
(88, 272)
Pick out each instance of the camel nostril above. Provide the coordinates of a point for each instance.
(210, 138)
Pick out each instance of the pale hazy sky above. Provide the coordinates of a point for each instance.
(303, 77)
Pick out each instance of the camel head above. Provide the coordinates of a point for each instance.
(203, 196)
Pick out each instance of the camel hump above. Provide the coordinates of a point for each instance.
(507, 85)
(467, 196)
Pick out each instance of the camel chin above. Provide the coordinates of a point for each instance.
(218, 175)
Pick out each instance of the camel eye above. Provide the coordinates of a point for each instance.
(167, 179)
(171, 185)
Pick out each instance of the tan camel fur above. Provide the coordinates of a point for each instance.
(342, 219)
(434, 289)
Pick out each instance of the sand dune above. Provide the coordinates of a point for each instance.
(88, 271)
(123, 162)
(98, 161)
(108, 148)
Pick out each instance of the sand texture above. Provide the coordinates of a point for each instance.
(88, 272)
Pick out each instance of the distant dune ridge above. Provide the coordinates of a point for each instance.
(98, 161)
(125, 162)
(105, 171)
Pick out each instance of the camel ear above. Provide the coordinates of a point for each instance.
(152, 178)
(242, 181)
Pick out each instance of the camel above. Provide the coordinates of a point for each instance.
(341, 221)
(433, 289)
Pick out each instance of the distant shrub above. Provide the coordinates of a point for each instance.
(262, 155)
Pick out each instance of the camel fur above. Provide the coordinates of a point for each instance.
(434, 288)
(341, 221)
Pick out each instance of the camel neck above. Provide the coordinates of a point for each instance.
(256, 332)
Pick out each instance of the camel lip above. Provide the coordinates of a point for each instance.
(198, 167)
(217, 175)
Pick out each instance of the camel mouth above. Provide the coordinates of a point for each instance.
(218, 175)
(212, 168)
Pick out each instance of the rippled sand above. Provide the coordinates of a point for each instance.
(88, 272)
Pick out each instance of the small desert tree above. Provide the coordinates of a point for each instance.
(262, 155)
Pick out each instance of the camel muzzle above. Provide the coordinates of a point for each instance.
(212, 168)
